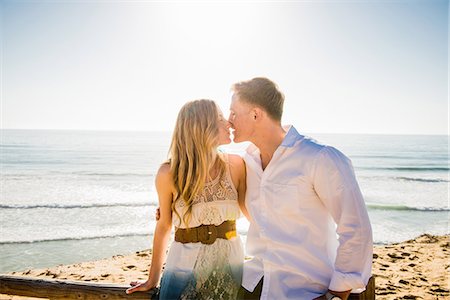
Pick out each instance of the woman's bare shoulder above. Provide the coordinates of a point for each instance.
(236, 161)
(164, 168)
(164, 173)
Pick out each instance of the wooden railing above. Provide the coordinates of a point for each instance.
(62, 289)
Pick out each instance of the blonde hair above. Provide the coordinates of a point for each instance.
(262, 92)
(192, 152)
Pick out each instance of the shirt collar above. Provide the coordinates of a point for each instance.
(291, 137)
(251, 149)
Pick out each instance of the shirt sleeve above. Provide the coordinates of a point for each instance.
(335, 184)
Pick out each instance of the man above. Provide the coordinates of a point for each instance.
(309, 234)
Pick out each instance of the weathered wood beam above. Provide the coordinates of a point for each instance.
(63, 289)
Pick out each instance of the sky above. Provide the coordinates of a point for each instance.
(377, 67)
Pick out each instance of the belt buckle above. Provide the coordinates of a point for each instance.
(209, 234)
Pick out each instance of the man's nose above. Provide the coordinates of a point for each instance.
(229, 124)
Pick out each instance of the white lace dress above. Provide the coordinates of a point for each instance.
(199, 271)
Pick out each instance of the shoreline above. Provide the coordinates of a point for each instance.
(413, 269)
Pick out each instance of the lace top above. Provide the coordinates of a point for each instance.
(215, 204)
(199, 271)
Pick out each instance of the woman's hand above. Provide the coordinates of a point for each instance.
(140, 286)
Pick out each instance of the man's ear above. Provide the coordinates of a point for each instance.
(257, 113)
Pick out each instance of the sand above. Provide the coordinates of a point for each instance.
(415, 269)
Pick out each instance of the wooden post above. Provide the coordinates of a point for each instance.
(368, 294)
(62, 289)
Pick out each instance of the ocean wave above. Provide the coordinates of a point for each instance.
(145, 232)
(414, 157)
(401, 178)
(421, 179)
(406, 168)
(74, 206)
(56, 239)
(113, 174)
(61, 174)
(139, 232)
(404, 207)
(16, 146)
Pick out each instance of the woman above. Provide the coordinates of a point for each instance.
(200, 191)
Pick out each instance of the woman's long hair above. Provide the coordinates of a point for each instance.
(193, 151)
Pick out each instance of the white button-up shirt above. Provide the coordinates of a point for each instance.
(309, 229)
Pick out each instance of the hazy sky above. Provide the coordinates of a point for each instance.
(344, 66)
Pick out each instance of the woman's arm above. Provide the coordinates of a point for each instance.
(164, 187)
(238, 175)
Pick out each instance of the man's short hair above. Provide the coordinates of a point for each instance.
(263, 93)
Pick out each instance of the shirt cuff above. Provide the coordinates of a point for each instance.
(341, 282)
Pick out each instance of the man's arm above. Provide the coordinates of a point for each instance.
(335, 183)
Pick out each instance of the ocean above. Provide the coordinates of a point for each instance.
(71, 196)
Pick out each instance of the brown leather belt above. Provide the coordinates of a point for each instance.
(206, 234)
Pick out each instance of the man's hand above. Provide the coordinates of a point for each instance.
(157, 214)
(342, 295)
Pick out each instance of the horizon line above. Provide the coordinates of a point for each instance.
(168, 131)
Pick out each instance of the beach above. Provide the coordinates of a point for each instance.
(413, 269)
